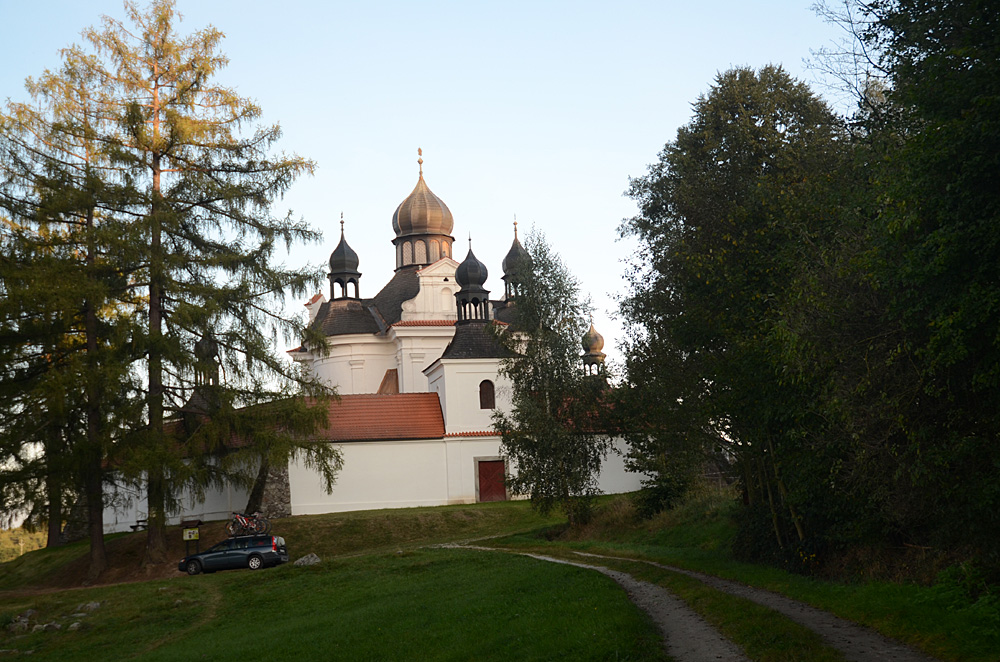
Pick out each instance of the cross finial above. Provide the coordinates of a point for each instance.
(420, 160)
(515, 227)
(341, 223)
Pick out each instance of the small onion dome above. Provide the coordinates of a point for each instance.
(343, 259)
(593, 342)
(472, 299)
(422, 212)
(514, 257)
(472, 273)
(206, 349)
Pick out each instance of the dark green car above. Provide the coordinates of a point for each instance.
(252, 552)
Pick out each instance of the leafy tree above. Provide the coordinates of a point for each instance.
(553, 433)
(936, 252)
(732, 219)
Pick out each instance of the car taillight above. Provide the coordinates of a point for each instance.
(274, 544)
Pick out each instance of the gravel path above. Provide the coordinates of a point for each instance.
(686, 637)
(857, 643)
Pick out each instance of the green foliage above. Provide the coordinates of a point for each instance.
(160, 182)
(733, 221)
(554, 434)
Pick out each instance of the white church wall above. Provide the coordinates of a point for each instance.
(418, 347)
(435, 300)
(614, 478)
(356, 363)
(457, 382)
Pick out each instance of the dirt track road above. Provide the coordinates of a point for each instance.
(688, 638)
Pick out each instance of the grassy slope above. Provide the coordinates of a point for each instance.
(698, 535)
(379, 595)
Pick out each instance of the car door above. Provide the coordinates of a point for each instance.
(236, 557)
(216, 557)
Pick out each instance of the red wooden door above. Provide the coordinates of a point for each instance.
(491, 487)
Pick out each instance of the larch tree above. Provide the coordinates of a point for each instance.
(66, 309)
(203, 177)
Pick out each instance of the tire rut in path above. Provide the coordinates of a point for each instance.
(687, 637)
(856, 643)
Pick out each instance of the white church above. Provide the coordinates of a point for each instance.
(417, 371)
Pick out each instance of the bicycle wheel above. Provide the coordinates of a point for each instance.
(261, 526)
(232, 528)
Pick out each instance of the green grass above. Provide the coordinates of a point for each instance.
(697, 536)
(428, 605)
(380, 593)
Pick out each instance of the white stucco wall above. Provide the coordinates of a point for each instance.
(356, 362)
(126, 504)
(401, 474)
(456, 381)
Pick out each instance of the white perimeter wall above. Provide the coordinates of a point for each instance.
(401, 474)
(127, 504)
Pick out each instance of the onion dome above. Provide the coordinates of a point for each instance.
(423, 224)
(422, 212)
(511, 263)
(343, 267)
(472, 298)
(206, 349)
(471, 273)
(593, 343)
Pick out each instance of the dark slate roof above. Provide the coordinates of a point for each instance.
(343, 316)
(503, 311)
(404, 286)
(475, 341)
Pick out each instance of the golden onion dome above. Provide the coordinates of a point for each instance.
(593, 342)
(422, 212)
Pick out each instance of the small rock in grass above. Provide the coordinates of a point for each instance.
(308, 559)
(74, 627)
(52, 627)
(90, 606)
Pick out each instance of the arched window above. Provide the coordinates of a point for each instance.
(420, 252)
(407, 254)
(487, 398)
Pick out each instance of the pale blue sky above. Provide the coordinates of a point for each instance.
(539, 109)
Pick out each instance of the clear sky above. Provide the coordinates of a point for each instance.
(542, 109)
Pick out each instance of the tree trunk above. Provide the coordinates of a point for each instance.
(53, 489)
(156, 534)
(93, 470)
(257, 493)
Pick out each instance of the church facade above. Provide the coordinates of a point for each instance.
(417, 369)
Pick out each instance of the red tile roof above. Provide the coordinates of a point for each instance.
(425, 323)
(374, 417)
(478, 433)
